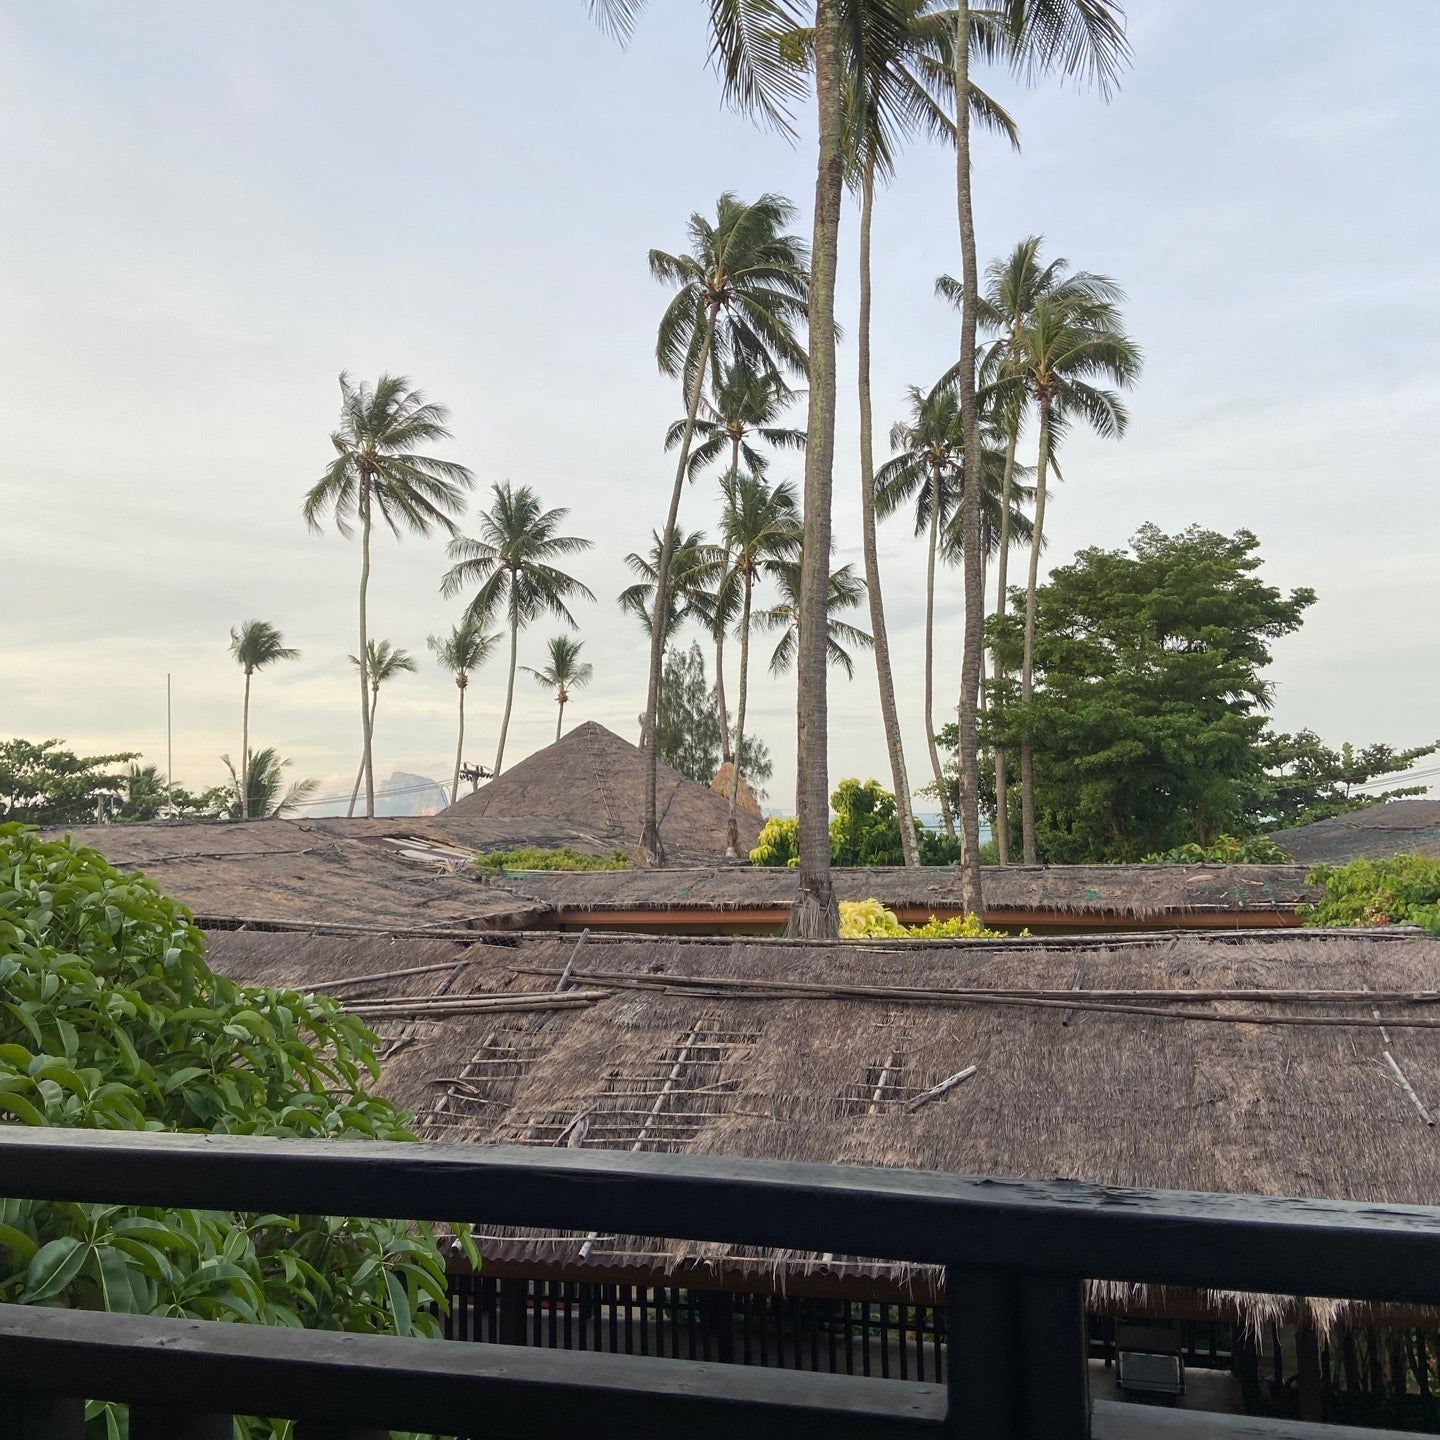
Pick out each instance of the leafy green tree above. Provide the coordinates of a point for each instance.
(463, 651)
(741, 292)
(564, 673)
(262, 793)
(1149, 699)
(378, 467)
(1306, 780)
(45, 784)
(114, 1021)
(865, 831)
(689, 733)
(256, 645)
(759, 530)
(1398, 890)
(382, 663)
(511, 564)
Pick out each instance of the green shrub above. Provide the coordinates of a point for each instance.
(1402, 890)
(869, 919)
(532, 857)
(1223, 850)
(778, 842)
(110, 1019)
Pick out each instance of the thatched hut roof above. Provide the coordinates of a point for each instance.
(1398, 827)
(1220, 1075)
(592, 780)
(1018, 895)
(745, 801)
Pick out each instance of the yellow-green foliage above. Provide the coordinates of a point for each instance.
(869, 919)
(778, 843)
(532, 857)
(1401, 890)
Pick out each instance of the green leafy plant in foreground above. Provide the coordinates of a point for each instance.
(1400, 890)
(110, 1019)
(535, 857)
(1223, 850)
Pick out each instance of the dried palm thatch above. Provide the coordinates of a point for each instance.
(1398, 827)
(1249, 1064)
(593, 780)
(745, 801)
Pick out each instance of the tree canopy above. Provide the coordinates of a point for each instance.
(689, 723)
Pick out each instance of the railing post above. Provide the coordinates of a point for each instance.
(313, 1430)
(27, 1415)
(1016, 1367)
(160, 1422)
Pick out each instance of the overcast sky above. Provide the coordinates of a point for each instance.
(207, 211)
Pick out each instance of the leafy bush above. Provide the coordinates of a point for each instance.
(1402, 890)
(1223, 850)
(778, 842)
(111, 1020)
(533, 857)
(869, 919)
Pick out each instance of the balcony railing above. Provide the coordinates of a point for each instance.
(1016, 1254)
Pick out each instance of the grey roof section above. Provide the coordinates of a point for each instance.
(1398, 827)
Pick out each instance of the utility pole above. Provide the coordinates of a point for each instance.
(169, 752)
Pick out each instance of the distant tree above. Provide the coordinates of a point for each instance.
(378, 467)
(847, 590)
(1149, 701)
(689, 729)
(464, 650)
(43, 783)
(692, 566)
(382, 663)
(746, 406)
(256, 645)
(511, 563)
(262, 793)
(563, 674)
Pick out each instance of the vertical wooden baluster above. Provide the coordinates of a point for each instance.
(980, 1361)
(26, 1415)
(1054, 1370)
(325, 1430)
(160, 1422)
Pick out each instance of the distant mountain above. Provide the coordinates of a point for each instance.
(406, 794)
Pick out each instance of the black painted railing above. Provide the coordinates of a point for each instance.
(1016, 1254)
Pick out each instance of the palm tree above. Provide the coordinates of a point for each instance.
(260, 796)
(510, 563)
(927, 468)
(759, 529)
(256, 644)
(847, 590)
(377, 467)
(1061, 350)
(382, 663)
(741, 291)
(745, 407)
(1012, 286)
(692, 562)
(1076, 38)
(466, 648)
(565, 673)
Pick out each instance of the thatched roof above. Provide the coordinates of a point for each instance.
(1399, 827)
(745, 801)
(592, 780)
(1016, 894)
(773, 1050)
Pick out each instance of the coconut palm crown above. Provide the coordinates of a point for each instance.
(256, 645)
(564, 673)
(464, 650)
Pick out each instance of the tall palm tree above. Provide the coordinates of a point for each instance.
(259, 795)
(1084, 39)
(927, 468)
(511, 564)
(465, 649)
(381, 664)
(847, 590)
(745, 407)
(378, 467)
(1061, 351)
(1012, 286)
(255, 645)
(740, 293)
(692, 563)
(565, 673)
(760, 528)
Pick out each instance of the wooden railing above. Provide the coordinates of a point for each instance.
(1016, 1254)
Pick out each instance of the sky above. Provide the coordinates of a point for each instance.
(207, 212)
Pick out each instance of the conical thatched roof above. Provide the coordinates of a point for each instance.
(595, 781)
(745, 801)
(1399, 827)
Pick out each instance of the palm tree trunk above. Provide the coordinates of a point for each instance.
(732, 831)
(559, 719)
(245, 751)
(459, 750)
(969, 760)
(727, 750)
(509, 687)
(1027, 664)
(651, 851)
(370, 730)
(932, 549)
(883, 674)
(366, 763)
(815, 914)
(1002, 567)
